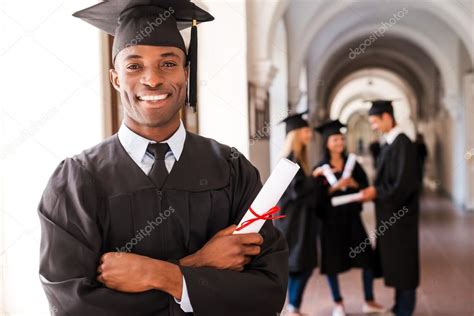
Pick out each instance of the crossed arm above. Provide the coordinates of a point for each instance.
(71, 258)
(128, 272)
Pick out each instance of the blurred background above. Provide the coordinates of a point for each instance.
(259, 61)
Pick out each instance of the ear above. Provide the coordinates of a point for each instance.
(186, 70)
(389, 118)
(113, 76)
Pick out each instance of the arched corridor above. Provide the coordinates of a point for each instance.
(421, 55)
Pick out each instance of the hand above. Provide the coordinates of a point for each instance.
(226, 251)
(349, 183)
(340, 185)
(344, 183)
(369, 194)
(128, 272)
(317, 172)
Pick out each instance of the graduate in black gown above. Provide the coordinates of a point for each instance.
(298, 204)
(396, 196)
(141, 224)
(422, 152)
(342, 230)
(374, 149)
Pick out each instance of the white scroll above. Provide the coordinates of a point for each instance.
(327, 171)
(349, 167)
(346, 199)
(269, 195)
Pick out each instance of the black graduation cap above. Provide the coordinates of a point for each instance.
(381, 106)
(295, 121)
(150, 22)
(330, 128)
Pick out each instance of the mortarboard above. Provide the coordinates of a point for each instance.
(295, 121)
(150, 22)
(381, 106)
(330, 128)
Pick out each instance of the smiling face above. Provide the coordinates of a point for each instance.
(336, 144)
(151, 81)
(305, 134)
(381, 123)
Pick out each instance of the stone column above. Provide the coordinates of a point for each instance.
(468, 96)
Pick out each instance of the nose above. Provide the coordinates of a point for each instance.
(152, 78)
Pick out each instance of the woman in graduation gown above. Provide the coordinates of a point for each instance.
(342, 229)
(297, 204)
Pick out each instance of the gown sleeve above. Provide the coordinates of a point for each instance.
(260, 289)
(360, 176)
(71, 242)
(405, 182)
(322, 196)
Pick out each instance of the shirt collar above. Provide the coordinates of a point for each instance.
(392, 134)
(136, 145)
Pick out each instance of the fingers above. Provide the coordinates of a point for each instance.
(241, 264)
(251, 239)
(316, 172)
(106, 256)
(251, 250)
(226, 231)
(246, 261)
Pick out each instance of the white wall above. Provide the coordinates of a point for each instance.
(278, 94)
(51, 108)
(223, 100)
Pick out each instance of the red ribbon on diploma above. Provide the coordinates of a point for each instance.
(265, 216)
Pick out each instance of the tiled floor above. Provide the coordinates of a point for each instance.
(447, 268)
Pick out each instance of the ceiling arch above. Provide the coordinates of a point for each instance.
(421, 77)
(366, 84)
(324, 15)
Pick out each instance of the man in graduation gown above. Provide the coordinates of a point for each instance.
(396, 196)
(142, 223)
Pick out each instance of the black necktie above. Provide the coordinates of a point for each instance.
(158, 172)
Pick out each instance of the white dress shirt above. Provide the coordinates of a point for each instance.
(392, 134)
(136, 145)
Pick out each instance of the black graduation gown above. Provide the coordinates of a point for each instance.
(300, 225)
(397, 213)
(375, 149)
(98, 201)
(342, 230)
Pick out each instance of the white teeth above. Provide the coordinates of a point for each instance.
(153, 97)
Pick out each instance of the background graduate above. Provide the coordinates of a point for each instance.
(342, 229)
(297, 203)
(142, 223)
(395, 193)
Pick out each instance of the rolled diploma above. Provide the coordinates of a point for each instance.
(327, 171)
(351, 160)
(346, 199)
(270, 194)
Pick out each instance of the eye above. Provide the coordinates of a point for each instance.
(168, 64)
(133, 67)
